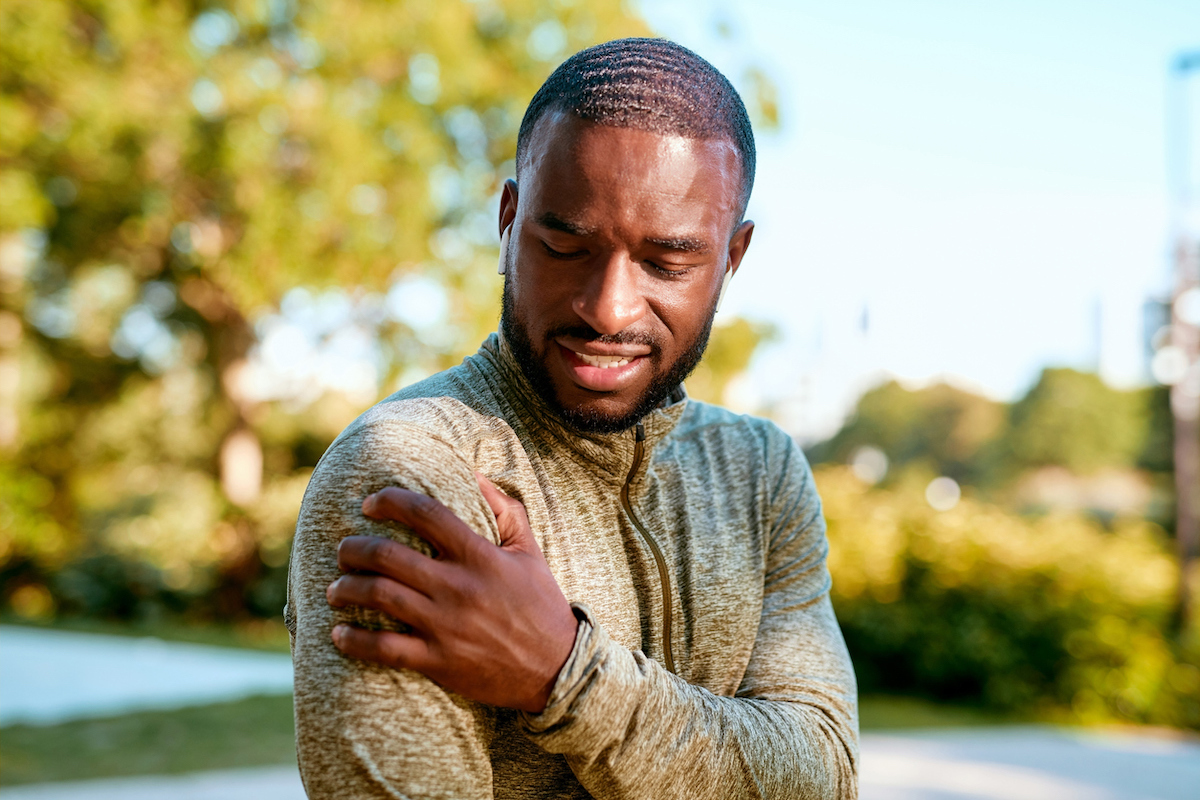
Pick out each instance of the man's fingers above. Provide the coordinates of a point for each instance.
(396, 650)
(388, 558)
(382, 594)
(428, 518)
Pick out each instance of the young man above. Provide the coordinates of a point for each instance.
(545, 572)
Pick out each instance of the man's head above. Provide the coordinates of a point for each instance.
(650, 85)
(635, 162)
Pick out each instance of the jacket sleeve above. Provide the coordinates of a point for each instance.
(364, 730)
(630, 729)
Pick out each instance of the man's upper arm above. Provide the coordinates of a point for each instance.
(365, 730)
(799, 654)
(798, 637)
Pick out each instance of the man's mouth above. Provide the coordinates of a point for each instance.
(603, 372)
(603, 362)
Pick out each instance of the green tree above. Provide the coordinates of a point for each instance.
(730, 349)
(1074, 420)
(1158, 449)
(188, 191)
(941, 427)
(1068, 419)
(1059, 615)
(167, 174)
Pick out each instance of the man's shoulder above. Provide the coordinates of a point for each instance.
(706, 420)
(452, 409)
(740, 450)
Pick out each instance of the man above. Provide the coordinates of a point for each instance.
(698, 657)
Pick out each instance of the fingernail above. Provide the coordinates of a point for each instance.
(338, 632)
(368, 503)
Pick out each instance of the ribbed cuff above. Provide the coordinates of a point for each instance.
(592, 696)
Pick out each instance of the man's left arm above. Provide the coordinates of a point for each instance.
(631, 729)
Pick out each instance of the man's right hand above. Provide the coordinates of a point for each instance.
(488, 622)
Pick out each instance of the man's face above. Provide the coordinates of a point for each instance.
(620, 239)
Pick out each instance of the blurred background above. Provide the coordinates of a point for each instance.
(973, 298)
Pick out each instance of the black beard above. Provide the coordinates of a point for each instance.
(588, 420)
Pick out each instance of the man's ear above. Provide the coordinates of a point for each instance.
(738, 244)
(724, 286)
(508, 205)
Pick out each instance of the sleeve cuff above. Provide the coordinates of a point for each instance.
(594, 694)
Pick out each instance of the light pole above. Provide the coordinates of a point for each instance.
(1185, 340)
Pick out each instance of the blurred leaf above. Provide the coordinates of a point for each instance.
(762, 100)
(941, 426)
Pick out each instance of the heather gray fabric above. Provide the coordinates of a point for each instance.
(764, 703)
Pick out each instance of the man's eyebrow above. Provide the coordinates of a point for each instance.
(556, 223)
(683, 244)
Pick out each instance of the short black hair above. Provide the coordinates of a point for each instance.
(652, 85)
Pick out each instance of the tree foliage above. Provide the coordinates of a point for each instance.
(730, 349)
(225, 229)
(169, 172)
(942, 427)
(1073, 419)
(1067, 419)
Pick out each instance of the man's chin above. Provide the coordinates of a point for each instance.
(598, 412)
(593, 417)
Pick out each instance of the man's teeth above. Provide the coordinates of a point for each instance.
(604, 362)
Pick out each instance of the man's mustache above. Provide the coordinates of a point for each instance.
(588, 334)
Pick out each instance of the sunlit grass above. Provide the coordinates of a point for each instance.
(267, 634)
(885, 712)
(254, 732)
(259, 732)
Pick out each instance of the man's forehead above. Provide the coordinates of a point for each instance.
(562, 133)
(580, 163)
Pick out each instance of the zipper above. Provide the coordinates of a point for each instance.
(639, 436)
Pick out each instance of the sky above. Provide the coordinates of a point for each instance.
(986, 186)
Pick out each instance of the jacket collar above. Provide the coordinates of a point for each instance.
(612, 453)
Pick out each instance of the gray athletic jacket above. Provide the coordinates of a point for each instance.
(708, 663)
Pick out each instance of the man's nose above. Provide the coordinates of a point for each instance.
(612, 299)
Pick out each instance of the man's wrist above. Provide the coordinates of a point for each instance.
(600, 675)
(568, 639)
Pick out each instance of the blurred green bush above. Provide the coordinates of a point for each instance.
(1059, 615)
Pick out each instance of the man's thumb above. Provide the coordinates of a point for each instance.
(511, 520)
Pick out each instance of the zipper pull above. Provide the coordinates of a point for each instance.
(639, 433)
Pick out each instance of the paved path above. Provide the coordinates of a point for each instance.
(51, 676)
(1028, 763)
(270, 783)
